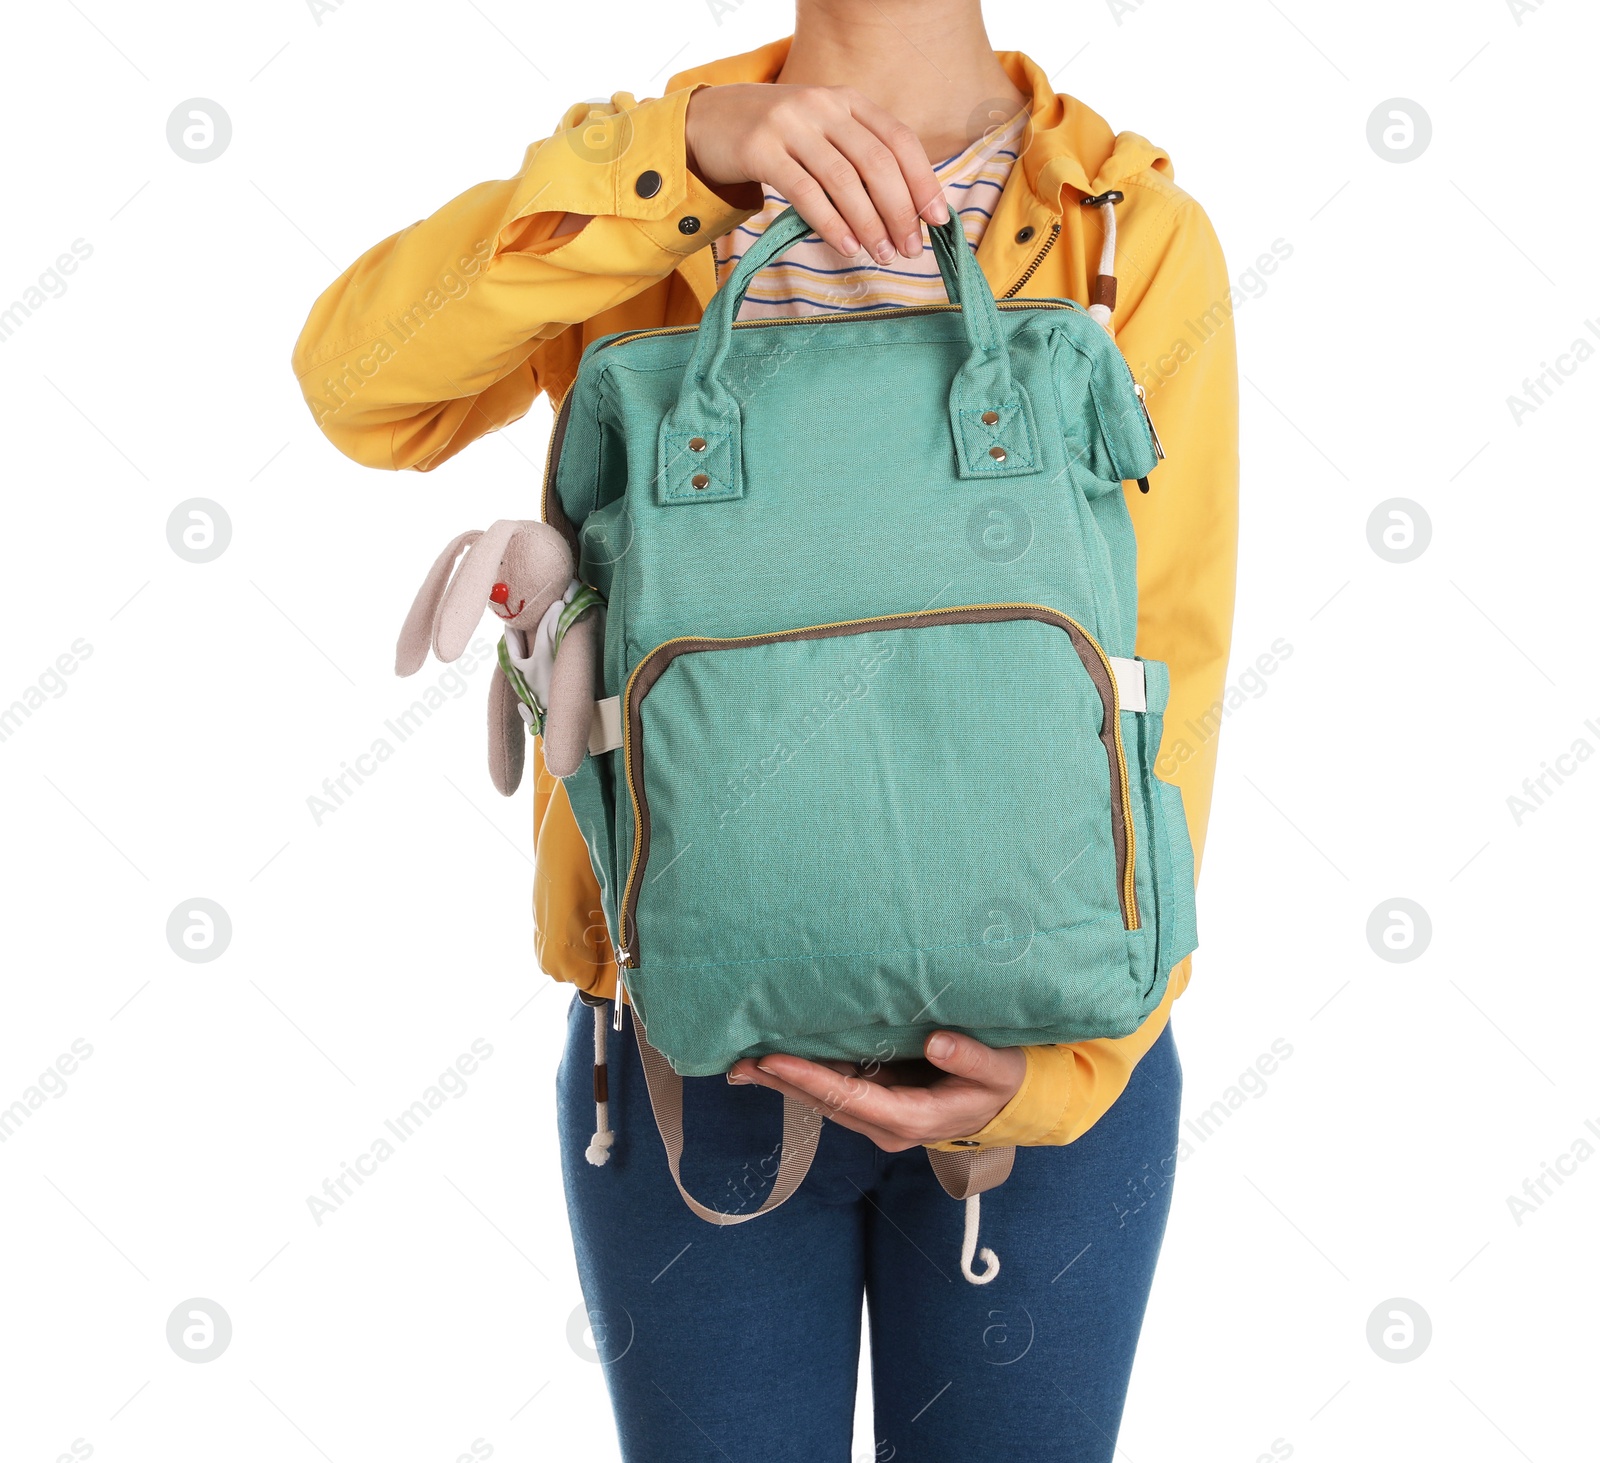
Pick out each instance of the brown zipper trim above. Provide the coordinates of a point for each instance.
(650, 670)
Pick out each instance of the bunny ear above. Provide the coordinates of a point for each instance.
(468, 595)
(412, 648)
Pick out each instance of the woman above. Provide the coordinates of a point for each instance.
(743, 1342)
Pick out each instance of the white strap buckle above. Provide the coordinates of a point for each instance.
(1130, 682)
(605, 727)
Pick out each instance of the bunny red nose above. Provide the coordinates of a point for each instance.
(500, 594)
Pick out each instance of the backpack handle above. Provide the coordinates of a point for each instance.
(802, 1129)
(964, 284)
(699, 447)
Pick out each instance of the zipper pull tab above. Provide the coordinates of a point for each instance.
(1155, 436)
(624, 960)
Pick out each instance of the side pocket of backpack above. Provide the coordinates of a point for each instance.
(591, 791)
(1170, 858)
(1179, 935)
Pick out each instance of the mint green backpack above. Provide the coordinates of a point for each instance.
(886, 756)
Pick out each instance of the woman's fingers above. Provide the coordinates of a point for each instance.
(973, 1084)
(878, 176)
(841, 177)
(833, 1092)
(893, 1117)
(999, 1068)
(835, 1100)
(812, 203)
(910, 161)
(858, 175)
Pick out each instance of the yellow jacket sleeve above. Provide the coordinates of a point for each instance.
(1175, 325)
(448, 329)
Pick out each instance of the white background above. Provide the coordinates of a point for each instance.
(1375, 763)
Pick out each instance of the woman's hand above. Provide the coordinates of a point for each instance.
(858, 176)
(961, 1086)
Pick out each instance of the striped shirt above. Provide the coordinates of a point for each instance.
(810, 278)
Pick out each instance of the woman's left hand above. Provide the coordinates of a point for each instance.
(960, 1088)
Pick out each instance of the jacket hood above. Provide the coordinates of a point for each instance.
(1067, 145)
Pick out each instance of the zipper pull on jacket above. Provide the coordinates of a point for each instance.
(1103, 293)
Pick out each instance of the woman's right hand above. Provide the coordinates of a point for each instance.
(857, 175)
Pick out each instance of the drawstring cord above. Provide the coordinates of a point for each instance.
(1103, 294)
(599, 1148)
(969, 1247)
(1103, 301)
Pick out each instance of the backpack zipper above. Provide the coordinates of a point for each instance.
(1149, 421)
(1123, 838)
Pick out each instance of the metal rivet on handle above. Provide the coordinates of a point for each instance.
(989, 418)
(998, 453)
(700, 480)
(697, 444)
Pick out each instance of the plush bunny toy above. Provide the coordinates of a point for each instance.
(523, 571)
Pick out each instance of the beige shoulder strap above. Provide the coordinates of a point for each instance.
(802, 1127)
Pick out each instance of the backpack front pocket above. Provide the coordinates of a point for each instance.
(839, 837)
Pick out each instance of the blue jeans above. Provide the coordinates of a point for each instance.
(740, 1344)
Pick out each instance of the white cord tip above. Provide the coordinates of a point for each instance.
(599, 1150)
(991, 1268)
(969, 1246)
